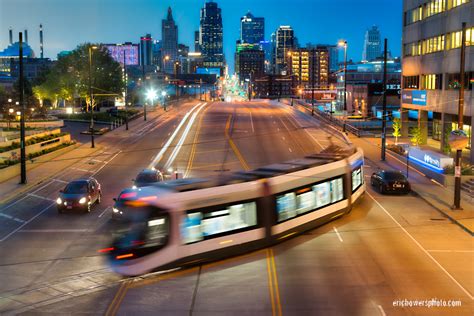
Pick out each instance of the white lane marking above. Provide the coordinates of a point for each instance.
(97, 160)
(251, 122)
(60, 181)
(421, 247)
(459, 251)
(289, 149)
(40, 197)
(82, 170)
(382, 312)
(338, 235)
(106, 163)
(159, 156)
(53, 231)
(101, 214)
(12, 218)
(177, 149)
(436, 182)
(314, 138)
(28, 221)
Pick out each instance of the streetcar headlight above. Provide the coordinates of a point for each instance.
(83, 200)
(59, 201)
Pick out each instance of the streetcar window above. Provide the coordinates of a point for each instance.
(198, 226)
(337, 190)
(304, 200)
(357, 179)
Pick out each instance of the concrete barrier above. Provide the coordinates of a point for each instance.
(15, 153)
(15, 137)
(34, 124)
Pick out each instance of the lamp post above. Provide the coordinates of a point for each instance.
(91, 126)
(22, 115)
(344, 44)
(151, 95)
(457, 168)
(163, 94)
(10, 112)
(125, 90)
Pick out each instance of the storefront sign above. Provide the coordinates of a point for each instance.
(431, 159)
(415, 97)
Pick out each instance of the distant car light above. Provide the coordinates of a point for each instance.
(134, 187)
(83, 200)
(115, 210)
(59, 201)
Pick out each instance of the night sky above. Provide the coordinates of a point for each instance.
(67, 23)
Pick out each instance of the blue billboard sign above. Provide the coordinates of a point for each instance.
(415, 97)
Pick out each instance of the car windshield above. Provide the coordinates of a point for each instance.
(76, 188)
(146, 177)
(393, 176)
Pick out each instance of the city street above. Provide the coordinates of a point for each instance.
(388, 249)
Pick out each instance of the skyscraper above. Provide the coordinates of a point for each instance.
(211, 36)
(372, 46)
(285, 42)
(197, 41)
(146, 51)
(169, 50)
(252, 29)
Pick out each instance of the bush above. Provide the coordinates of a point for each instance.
(466, 170)
(30, 156)
(397, 149)
(31, 141)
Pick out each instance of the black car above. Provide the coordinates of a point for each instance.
(118, 210)
(147, 177)
(390, 182)
(79, 194)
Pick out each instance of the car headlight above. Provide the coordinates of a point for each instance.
(83, 200)
(134, 187)
(115, 210)
(59, 201)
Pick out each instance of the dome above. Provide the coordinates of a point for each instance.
(13, 50)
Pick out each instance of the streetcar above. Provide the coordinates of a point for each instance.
(190, 221)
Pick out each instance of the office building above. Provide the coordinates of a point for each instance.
(211, 36)
(249, 62)
(274, 86)
(128, 50)
(197, 42)
(310, 68)
(267, 48)
(372, 44)
(431, 66)
(284, 43)
(169, 46)
(252, 29)
(146, 50)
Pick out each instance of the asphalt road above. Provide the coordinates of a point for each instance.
(389, 248)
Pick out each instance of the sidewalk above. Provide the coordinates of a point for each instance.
(43, 170)
(437, 196)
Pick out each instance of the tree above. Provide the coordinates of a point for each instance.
(69, 78)
(417, 137)
(397, 126)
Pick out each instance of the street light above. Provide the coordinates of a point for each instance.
(91, 127)
(151, 95)
(344, 44)
(10, 112)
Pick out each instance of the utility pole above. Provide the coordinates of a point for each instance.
(125, 96)
(22, 116)
(143, 86)
(457, 172)
(384, 105)
(313, 51)
(345, 75)
(91, 126)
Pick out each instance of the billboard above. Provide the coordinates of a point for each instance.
(415, 97)
(117, 52)
(209, 71)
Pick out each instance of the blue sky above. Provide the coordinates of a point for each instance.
(67, 23)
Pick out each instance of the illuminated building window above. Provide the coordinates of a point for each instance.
(411, 82)
(414, 15)
(431, 81)
(454, 39)
(433, 44)
(434, 7)
(456, 3)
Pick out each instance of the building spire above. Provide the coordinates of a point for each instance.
(170, 14)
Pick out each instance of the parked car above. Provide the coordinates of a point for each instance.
(79, 194)
(147, 177)
(388, 181)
